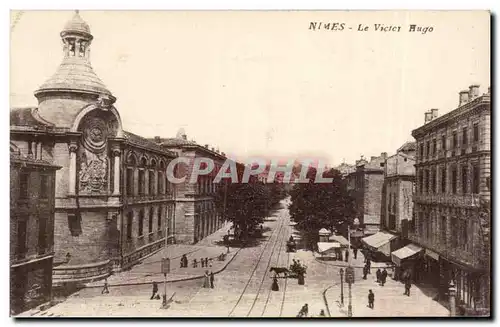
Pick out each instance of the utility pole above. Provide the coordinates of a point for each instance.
(350, 270)
(165, 269)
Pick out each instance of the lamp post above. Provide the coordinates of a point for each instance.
(350, 270)
(342, 286)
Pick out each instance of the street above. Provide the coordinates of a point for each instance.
(243, 287)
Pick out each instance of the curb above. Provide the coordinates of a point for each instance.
(326, 301)
(169, 281)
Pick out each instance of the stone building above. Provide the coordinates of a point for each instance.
(453, 177)
(366, 183)
(345, 169)
(32, 183)
(196, 213)
(113, 204)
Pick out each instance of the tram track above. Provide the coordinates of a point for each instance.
(272, 243)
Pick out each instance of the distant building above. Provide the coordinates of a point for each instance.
(345, 169)
(366, 183)
(453, 169)
(32, 185)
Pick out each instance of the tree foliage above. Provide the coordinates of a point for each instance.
(322, 205)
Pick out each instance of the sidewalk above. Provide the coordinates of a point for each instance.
(389, 300)
(359, 262)
(149, 269)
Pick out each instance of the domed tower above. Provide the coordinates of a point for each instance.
(74, 85)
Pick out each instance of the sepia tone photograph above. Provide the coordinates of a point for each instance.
(250, 164)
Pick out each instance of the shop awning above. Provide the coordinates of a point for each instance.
(324, 231)
(340, 239)
(327, 247)
(432, 254)
(406, 252)
(380, 242)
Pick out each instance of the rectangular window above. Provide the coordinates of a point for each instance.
(434, 147)
(150, 225)
(159, 185)
(476, 132)
(434, 184)
(151, 182)
(443, 230)
(475, 179)
(427, 181)
(130, 182)
(160, 209)
(464, 136)
(130, 220)
(142, 183)
(421, 150)
(141, 222)
(44, 186)
(42, 235)
(421, 182)
(443, 142)
(455, 139)
(24, 185)
(465, 235)
(454, 180)
(443, 180)
(428, 149)
(22, 225)
(464, 179)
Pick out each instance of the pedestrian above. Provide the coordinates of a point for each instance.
(378, 274)
(355, 251)
(185, 260)
(206, 262)
(155, 290)
(371, 299)
(275, 286)
(206, 280)
(210, 263)
(407, 286)
(383, 276)
(322, 313)
(365, 271)
(305, 309)
(195, 263)
(212, 279)
(105, 288)
(369, 264)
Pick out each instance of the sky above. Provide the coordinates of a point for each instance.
(263, 83)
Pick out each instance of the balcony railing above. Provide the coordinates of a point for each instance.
(460, 200)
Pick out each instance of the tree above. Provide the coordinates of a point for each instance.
(322, 205)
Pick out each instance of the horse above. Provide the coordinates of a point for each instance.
(280, 270)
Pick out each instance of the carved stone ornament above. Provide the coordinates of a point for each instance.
(104, 102)
(95, 134)
(93, 175)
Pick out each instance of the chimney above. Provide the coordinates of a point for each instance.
(463, 97)
(384, 155)
(206, 146)
(434, 113)
(473, 91)
(428, 116)
(157, 139)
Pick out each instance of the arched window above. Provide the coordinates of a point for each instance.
(141, 222)
(131, 164)
(142, 172)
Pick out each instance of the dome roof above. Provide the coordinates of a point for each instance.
(76, 24)
(74, 74)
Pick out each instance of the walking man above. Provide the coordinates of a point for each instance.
(379, 275)
(371, 299)
(365, 271)
(212, 278)
(383, 276)
(155, 290)
(407, 286)
(369, 265)
(105, 290)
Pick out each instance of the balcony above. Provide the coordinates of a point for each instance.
(458, 200)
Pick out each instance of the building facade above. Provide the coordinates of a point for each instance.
(452, 178)
(366, 183)
(32, 183)
(113, 204)
(196, 215)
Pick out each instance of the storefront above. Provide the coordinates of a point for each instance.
(406, 259)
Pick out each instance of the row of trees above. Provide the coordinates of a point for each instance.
(246, 205)
(322, 205)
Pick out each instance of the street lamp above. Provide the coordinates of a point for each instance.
(349, 270)
(342, 286)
